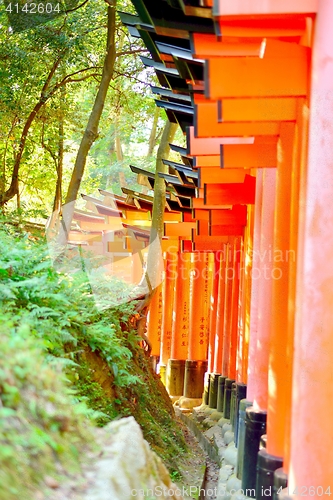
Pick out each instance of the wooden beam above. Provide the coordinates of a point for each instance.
(264, 7)
(232, 193)
(211, 146)
(277, 74)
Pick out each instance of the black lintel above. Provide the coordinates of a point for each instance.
(159, 66)
(137, 170)
(178, 149)
(162, 14)
(177, 108)
(182, 168)
(167, 93)
(173, 50)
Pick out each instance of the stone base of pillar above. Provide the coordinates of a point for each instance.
(255, 427)
(189, 403)
(194, 378)
(175, 377)
(220, 393)
(244, 403)
(213, 388)
(266, 466)
(163, 369)
(280, 481)
(227, 397)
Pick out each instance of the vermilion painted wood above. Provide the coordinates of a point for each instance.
(199, 203)
(218, 348)
(213, 316)
(261, 7)
(202, 227)
(172, 216)
(263, 273)
(313, 349)
(179, 229)
(168, 305)
(261, 109)
(281, 28)
(281, 72)
(205, 46)
(259, 154)
(180, 324)
(209, 243)
(255, 258)
(211, 146)
(201, 161)
(236, 216)
(187, 217)
(212, 175)
(202, 283)
(277, 401)
(229, 276)
(234, 309)
(299, 162)
(233, 193)
(201, 214)
(230, 230)
(187, 246)
(170, 245)
(206, 127)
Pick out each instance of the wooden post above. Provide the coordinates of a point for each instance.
(311, 461)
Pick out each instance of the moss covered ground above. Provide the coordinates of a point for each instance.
(66, 366)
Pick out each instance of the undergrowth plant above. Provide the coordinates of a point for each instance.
(96, 347)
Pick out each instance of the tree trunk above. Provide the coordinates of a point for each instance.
(91, 131)
(44, 96)
(153, 135)
(154, 253)
(60, 160)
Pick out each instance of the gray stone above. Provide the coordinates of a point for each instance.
(234, 484)
(228, 437)
(128, 467)
(216, 415)
(225, 428)
(212, 431)
(230, 455)
(223, 421)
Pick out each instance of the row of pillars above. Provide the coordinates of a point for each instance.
(266, 301)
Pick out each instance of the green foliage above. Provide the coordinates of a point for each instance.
(59, 309)
(39, 424)
(96, 348)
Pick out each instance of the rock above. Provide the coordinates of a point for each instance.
(129, 468)
(233, 484)
(216, 415)
(212, 431)
(228, 437)
(224, 474)
(230, 455)
(223, 421)
(225, 428)
(209, 410)
(208, 422)
(188, 403)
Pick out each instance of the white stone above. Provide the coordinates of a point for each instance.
(216, 415)
(228, 437)
(216, 429)
(223, 421)
(128, 467)
(225, 428)
(230, 455)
